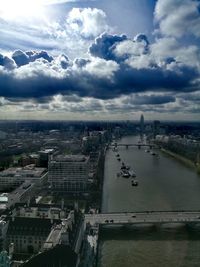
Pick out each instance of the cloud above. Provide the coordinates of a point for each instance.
(23, 58)
(116, 66)
(87, 22)
(118, 73)
(53, 2)
(6, 62)
(101, 68)
(151, 99)
(20, 58)
(105, 44)
(178, 18)
(72, 33)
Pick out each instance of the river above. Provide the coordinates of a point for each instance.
(164, 184)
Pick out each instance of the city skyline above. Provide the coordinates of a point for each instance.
(94, 60)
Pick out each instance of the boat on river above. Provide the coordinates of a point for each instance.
(134, 183)
(125, 167)
(132, 173)
(125, 174)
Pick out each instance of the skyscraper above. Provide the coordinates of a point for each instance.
(142, 125)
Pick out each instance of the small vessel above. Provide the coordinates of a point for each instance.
(125, 174)
(132, 173)
(147, 150)
(153, 153)
(117, 155)
(134, 183)
(125, 167)
(118, 159)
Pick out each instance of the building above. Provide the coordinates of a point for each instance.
(69, 173)
(22, 193)
(29, 227)
(44, 156)
(3, 135)
(29, 159)
(94, 140)
(11, 178)
(156, 128)
(3, 230)
(61, 256)
(36, 229)
(142, 125)
(4, 259)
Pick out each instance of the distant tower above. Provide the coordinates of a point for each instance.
(142, 125)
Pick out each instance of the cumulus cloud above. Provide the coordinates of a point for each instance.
(178, 18)
(101, 68)
(71, 33)
(88, 22)
(6, 62)
(105, 44)
(117, 74)
(105, 74)
(23, 58)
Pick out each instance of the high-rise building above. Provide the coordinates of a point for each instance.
(142, 124)
(156, 128)
(69, 173)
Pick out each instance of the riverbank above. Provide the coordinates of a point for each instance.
(182, 159)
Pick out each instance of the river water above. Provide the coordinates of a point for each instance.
(164, 184)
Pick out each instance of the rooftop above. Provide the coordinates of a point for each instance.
(29, 171)
(70, 158)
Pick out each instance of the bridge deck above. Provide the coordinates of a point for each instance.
(144, 217)
(133, 144)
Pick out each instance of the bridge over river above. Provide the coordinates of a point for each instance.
(148, 217)
(139, 145)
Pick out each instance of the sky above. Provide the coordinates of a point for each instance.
(100, 59)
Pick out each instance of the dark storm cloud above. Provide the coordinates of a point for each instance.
(105, 44)
(156, 78)
(141, 38)
(23, 58)
(64, 61)
(125, 81)
(6, 62)
(104, 75)
(150, 99)
(34, 55)
(20, 58)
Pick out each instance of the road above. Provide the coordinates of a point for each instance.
(144, 217)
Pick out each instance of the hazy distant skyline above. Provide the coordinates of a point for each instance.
(99, 59)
